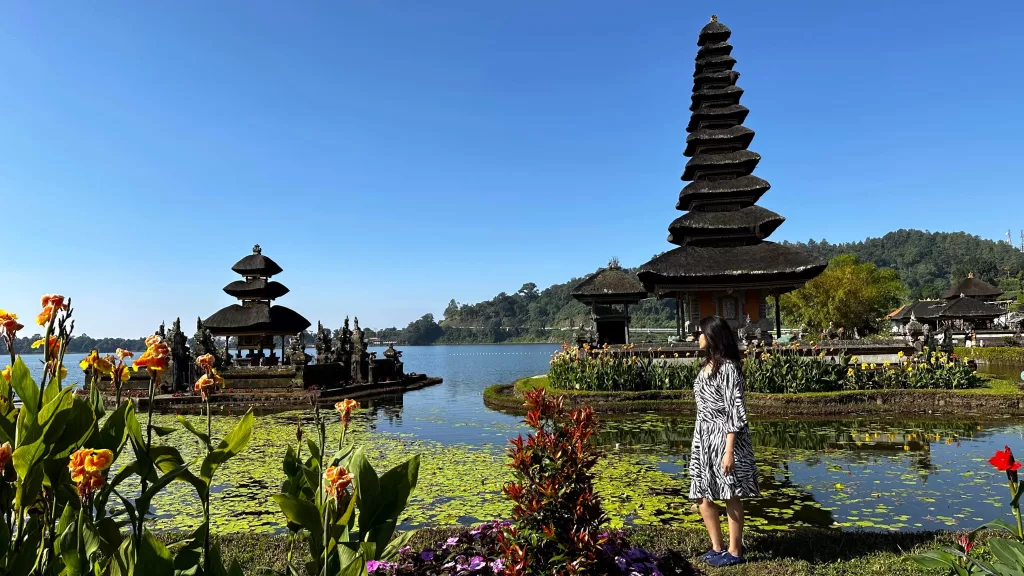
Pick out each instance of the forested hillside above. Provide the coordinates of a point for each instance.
(927, 262)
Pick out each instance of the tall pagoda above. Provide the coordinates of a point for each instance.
(255, 321)
(723, 265)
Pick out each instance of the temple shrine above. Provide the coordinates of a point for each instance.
(255, 320)
(723, 265)
(969, 305)
(608, 293)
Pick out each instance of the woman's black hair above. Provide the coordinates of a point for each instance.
(721, 341)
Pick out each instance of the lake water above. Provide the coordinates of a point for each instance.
(876, 473)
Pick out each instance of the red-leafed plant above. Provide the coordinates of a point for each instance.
(558, 517)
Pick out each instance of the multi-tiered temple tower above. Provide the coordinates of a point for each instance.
(723, 264)
(255, 320)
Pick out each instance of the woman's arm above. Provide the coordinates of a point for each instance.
(728, 461)
(735, 411)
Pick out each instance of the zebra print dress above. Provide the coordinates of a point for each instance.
(721, 409)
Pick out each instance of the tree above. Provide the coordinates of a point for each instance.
(423, 332)
(452, 311)
(849, 293)
(529, 291)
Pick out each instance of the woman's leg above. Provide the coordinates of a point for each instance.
(709, 512)
(734, 510)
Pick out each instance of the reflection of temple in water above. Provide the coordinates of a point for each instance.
(388, 407)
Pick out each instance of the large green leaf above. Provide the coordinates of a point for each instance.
(1008, 552)
(154, 557)
(24, 386)
(51, 390)
(143, 501)
(74, 562)
(368, 486)
(77, 425)
(189, 556)
(231, 445)
(203, 437)
(396, 486)
(114, 432)
(302, 513)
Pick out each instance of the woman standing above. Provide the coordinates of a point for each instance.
(722, 463)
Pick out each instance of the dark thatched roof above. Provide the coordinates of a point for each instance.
(973, 288)
(766, 262)
(713, 48)
(737, 137)
(716, 78)
(968, 307)
(739, 163)
(736, 113)
(610, 284)
(256, 264)
(920, 309)
(752, 223)
(713, 31)
(728, 95)
(256, 289)
(713, 62)
(743, 191)
(256, 318)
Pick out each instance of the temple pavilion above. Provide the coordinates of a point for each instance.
(723, 265)
(255, 320)
(969, 305)
(608, 293)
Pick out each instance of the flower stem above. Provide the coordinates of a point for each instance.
(206, 499)
(1014, 487)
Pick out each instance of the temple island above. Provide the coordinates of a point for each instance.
(255, 375)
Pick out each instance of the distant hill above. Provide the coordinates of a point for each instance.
(927, 262)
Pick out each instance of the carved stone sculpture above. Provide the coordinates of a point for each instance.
(180, 359)
(203, 343)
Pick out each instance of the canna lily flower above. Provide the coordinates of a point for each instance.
(900, 354)
(864, 366)
(9, 323)
(98, 460)
(850, 372)
(6, 374)
(122, 354)
(345, 408)
(206, 361)
(55, 300)
(100, 365)
(87, 467)
(54, 347)
(853, 360)
(336, 480)
(155, 356)
(205, 384)
(1004, 462)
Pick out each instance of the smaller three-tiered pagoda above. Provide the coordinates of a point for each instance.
(255, 321)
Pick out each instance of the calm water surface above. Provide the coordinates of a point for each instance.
(875, 473)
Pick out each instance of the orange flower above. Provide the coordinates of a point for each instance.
(45, 316)
(207, 382)
(337, 480)
(54, 346)
(6, 374)
(98, 460)
(155, 356)
(5, 456)
(55, 300)
(77, 465)
(100, 365)
(205, 361)
(9, 322)
(345, 408)
(122, 354)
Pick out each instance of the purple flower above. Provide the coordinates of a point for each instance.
(476, 563)
(498, 566)
(372, 565)
(405, 549)
(427, 555)
(452, 542)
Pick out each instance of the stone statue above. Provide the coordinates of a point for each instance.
(856, 334)
(358, 351)
(748, 333)
(162, 332)
(296, 353)
(203, 343)
(322, 342)
(180, 358)
(396, 356)
(830, 332)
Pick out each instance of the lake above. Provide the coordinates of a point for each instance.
(874, 473)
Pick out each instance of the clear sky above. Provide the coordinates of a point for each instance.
(394, 154)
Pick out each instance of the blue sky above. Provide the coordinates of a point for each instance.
(391, 155)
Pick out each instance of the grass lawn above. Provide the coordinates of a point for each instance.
(795, 553)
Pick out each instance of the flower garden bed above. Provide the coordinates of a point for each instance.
(994, 398)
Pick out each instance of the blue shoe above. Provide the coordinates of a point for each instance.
(726, 559)
(707, 556)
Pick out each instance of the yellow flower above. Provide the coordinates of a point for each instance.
(101, 365)
(9, 323)
(900, 354)
(98, 460)
(906, 448)
(886, 363)
(6, 374)
(850, 372)
(864, 366)
(853, 360)
(54, 347)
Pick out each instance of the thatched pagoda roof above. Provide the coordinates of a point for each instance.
(256, 264)
(710, 267)
(611, 284)
(968, 307)
(746, 225)
(256, 289)
(973, 288)
(255, 318)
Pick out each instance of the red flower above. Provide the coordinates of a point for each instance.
(965, 542)
(1003, 461)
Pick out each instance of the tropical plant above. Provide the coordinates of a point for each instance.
(56, 454)
(1007, 552)
(345, 529)
(558, 516)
